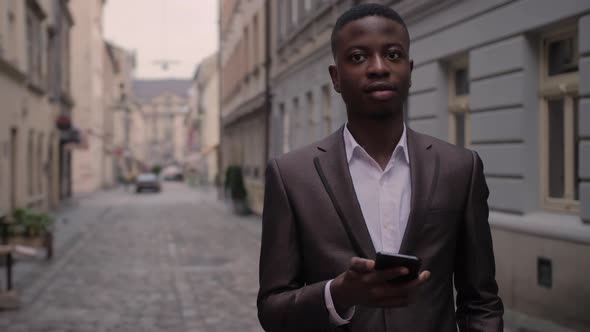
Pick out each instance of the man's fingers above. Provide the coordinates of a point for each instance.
(411, 285)
(388, 274)
(361, 265)
(422, 277)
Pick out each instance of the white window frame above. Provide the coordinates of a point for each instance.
(327, 109)
(34, 42)
(311, 109)
(563, 86)
(294, 12)
(296, 134)
(286, 127)
(458, 104)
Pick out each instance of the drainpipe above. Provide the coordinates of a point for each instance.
(220, 173)
(267, 91)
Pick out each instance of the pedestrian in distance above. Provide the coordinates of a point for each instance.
(376, 185)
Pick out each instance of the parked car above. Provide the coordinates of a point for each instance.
(172, 173)
(147, 181)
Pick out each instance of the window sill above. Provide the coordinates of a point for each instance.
(35, 200)
(549, 225)
(36, 88)
(9, 67)
(293, 32)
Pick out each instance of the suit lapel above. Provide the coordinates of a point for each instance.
(424, 169)
(332, 167)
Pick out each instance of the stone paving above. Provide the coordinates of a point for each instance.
(177, 261)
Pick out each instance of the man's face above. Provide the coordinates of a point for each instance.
(373, 66)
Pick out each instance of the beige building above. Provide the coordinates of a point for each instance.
(118, 77)
(33, 47)
(87, 54)
(158, 132)
(202, 121)
(245, 103)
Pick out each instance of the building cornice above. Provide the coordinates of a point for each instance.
(12, 71)
(37, 9)
(247, 108)
(415, 10)
(319, 52)
(65, 9)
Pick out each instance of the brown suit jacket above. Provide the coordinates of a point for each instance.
(313, 225)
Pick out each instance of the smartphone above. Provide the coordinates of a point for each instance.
(386, 260)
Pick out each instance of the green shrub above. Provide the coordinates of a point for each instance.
(30, 223)
(234, 182)
(157, 169)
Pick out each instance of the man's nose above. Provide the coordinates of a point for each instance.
(377, 67)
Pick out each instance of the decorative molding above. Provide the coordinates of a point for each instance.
(37, 9)
(415, 10)
(36, 88)
(12, 70)
(249, 107)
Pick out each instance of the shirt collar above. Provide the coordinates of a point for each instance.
(350, 144)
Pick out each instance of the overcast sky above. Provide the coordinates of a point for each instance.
(180, 30)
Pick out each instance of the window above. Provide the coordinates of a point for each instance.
(52, 63)
(255, 44)
(294, 11)
(40, 164)
(460, 127)
(559, 119)
(282, 19)
(2, 27)
(65, 56)
(286, 127)
(311, 119)
(30, 162)
(246, 44)
(296, 133)
(327, 109)
(34, 42)
(9, 52)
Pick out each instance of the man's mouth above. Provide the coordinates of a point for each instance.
(381, 90)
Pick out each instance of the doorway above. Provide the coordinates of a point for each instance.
(13, 167)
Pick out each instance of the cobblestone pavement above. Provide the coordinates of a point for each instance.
(174, 261)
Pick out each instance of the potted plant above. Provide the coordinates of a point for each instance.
(32, 229)
(237, 191)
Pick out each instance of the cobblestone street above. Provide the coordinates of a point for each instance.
(174, 261)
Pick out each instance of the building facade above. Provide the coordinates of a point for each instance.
(119, 65)
(244, 91)
(118, 82)
(203, 122)
(87, 53)
(34, 165)
(158, 132)
(508, 79)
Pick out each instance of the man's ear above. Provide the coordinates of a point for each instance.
(334, 75)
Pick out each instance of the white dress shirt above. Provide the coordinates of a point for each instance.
(384, 197)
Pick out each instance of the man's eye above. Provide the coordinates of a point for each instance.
(393, 55)
(357, 57)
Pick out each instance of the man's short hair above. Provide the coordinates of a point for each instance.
(363, 10)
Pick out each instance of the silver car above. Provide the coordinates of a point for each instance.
(147, 181)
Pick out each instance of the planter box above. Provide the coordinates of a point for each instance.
(40, 242)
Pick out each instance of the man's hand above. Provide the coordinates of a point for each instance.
(361, 284)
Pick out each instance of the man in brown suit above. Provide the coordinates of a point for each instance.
(375, 185)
